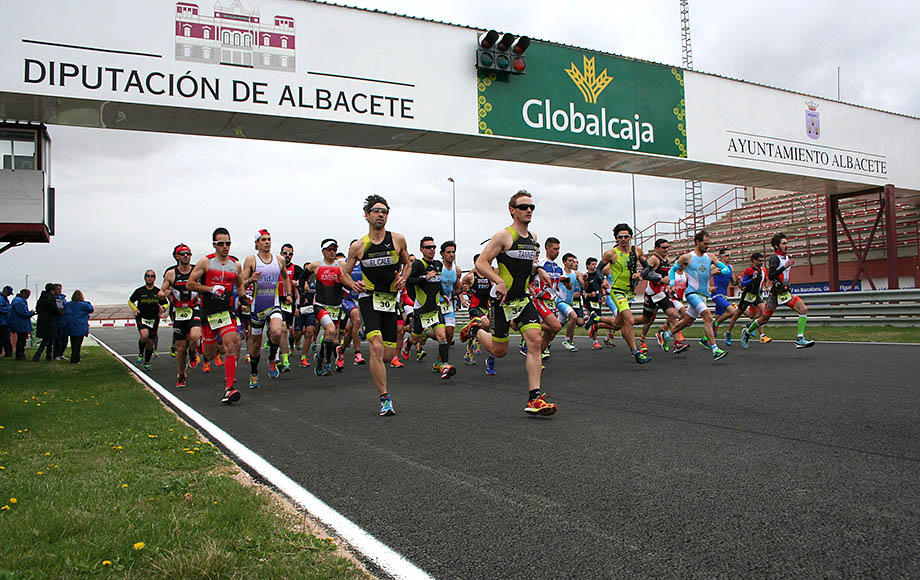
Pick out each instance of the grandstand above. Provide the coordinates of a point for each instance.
(743, 219)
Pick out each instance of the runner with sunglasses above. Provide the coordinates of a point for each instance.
(293, 323)
(147, 306)
(184, 310)
(425, 276)
(515, 250)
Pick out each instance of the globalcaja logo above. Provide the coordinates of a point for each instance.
(590, 85)
(629, 105)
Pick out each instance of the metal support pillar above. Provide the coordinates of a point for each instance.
(833, 274)
(891, 237)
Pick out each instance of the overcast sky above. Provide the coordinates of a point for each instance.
(125, 199)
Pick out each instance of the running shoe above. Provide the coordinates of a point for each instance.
(468, 358)
(470, 328)
(172, 351)
(545, 354)
(642, 358)
(230, 396)
(447, 371)
(285, 368)
(219, 361)
(156, 354)
(596, 346)
(265, 346)
(490, 365)
(386, 408)
(193, 360)
(436, 367)
(327, 369)
(591, 320)
(420, 355)
(304, 361)
(318, 365)
(718, 353)
(206, 366)
(362, 335)
(539, 406)
(680, 347)
(180, 381)
(273, 371)
(666, 341)
(659, 337)
(569, 345)
(359, 359)
(147, 367)
(477, 350)
(704, 343)
(340, 357)
(609, 341)
(139, 360)
(248, 358)
(523, 347)
(406, 348)
(253, 381)
(680, 336)
(764, 339)
(802, 342)
(643, 346)
(396, 363)
(745, 337)
(728, 338)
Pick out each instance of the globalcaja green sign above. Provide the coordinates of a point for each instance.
(572, 96)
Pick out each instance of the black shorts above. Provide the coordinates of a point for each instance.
(649, 306)
(528, 318)
(181, 328)
(152, 330)
(417, 329)
(377, 322)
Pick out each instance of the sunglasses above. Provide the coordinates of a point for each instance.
(380, 210)
(150, 275)
(287, 253)
(221, 243)
(185, 253)
(665, 248)
(428, 247)
(525, 206)
(624, 237)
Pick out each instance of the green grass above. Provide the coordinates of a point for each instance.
(108, 483)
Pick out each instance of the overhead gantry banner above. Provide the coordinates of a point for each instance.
(293, 70)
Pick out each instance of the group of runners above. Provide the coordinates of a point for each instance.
(378, 292)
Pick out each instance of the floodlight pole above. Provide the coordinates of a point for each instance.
(453, 195)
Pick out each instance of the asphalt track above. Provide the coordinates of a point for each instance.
(771, 463)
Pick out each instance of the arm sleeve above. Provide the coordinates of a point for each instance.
(672, 273)
(723, 269)
(747, 278)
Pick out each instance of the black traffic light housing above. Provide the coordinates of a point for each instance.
(501, 52)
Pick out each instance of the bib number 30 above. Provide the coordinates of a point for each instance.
(385, 301)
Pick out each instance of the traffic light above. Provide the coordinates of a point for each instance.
(501, 52)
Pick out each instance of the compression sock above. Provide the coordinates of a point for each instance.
(443, 351)
(148, 352)
(254, 363)
(229, 370)
(802, 320)
(284, 359)
(141, 347)
(272, 350)
(752, 327)
(330, 349)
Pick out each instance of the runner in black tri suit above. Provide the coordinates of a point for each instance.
(425, 276)
(384, 269)
(184, 310)
(147, 306)
(477, 288)
(515, 249)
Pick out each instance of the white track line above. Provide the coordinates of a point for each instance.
(373, 549)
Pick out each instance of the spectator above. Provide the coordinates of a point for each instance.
(46, 329)
(21, 321)
(76, 313)
(60, 338)
(6, 347)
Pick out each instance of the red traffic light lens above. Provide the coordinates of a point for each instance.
(518, 64)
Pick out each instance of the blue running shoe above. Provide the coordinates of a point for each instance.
(253, 381)
(490, 365)
(318, 365)
(802, 342)
(728, 339)
(386, 408)
(745, 338)
(273, 371)
(523, 347)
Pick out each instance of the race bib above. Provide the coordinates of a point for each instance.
(447, 308)
(658, 297)
(183, 313)
(385, 301)
(220, 319)
(334, 311)
(594, 305)
(576, 303)
(308, 309)
(750, 297)
(289, 308)
(549, 303)
(514, 308)
(784, 297)
(149, 322)
(429, 318)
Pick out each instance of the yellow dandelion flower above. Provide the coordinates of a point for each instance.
(139, 546)
(40, 473)
(1, 467)
(190, 452)
(124, 485)
(47, 453)
(56, 466)
(106, 562)
(6, 507)
(153, 436)
(13, 500)
(1, 426)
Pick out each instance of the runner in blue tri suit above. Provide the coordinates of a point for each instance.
(450, 287)
(721, 283)
(352, 328)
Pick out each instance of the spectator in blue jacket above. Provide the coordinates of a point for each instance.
(21, 321)
(6, 347)
(76, 313)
